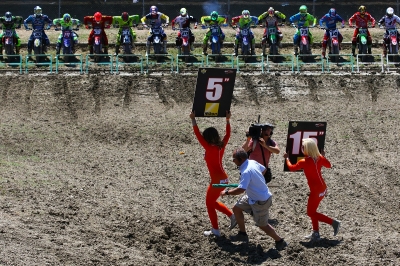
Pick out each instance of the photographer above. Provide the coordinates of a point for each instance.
(260, 146)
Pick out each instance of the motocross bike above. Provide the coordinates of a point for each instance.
(157, 32)
(362, 45)
(333, 44)
(9, 44)
(393, 46)
(271, 39)
(245, 42)
(126, 42)
(304, 45)
(215, 42)
(39, 45)
(185, 47)
(67, 44)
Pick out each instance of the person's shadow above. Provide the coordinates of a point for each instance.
(322, 243)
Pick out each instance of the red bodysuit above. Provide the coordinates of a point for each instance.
(361, 22)
(98, 27)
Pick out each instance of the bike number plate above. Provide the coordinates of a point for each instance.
(392, 32)
(334, 33)
(362, 31)
(97, 31)
(125, 32)
(37, 34)
(185, 33)
(156, 31)
(8, 33)
(272, 31)
(244, 32)
(304, 32)
(215, 29)
(67, 34)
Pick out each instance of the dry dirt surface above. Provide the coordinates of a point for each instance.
(105, 170)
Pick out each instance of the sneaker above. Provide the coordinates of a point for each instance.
(280, 245)
(233, 222)
(213, 231)
(314, 236)
(335, 225)
(240, 237)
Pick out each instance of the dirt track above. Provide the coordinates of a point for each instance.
(105, 170)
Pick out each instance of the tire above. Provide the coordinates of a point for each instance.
(157, 48)
(38, 59)
(245, 52)
(127, 50)
(304, 51)
(335, 54)
(273, 50)
(363, 50)
(186, 51)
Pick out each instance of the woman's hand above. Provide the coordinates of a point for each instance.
(192, 115)
(228, 115)
(285, 155)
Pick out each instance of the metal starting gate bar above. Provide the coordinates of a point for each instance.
(350, 62)
(238, 63)
(192, 56)
(13, 63)
(231, 63)
(99, 63)
(290, 62)
(132, 56)
(317, 62)
(50, 64)
(393, 62)
(73, 56)
(157, 56)
(370, 63)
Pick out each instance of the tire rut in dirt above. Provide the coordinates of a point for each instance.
(251, 88)
(64, 91)
(312, 85)
(94, 90)
(373, 90)
(346, 86)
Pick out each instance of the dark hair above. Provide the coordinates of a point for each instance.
(211, 135)
(240, 154)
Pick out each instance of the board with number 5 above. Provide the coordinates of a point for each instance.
(299, 130)
(214, 90)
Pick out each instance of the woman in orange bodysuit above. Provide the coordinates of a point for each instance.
(214, 151)
(311, 165)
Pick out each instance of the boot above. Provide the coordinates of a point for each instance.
(1, 50)
(235, 53)
(116, 49)
(165, 47)
(17, 48)
(204, 49)
(91, 50)
(253, 49)
(105, 50)
(324, 52)
(384, 49)
(369, 50)
(296, 50)
(147, 48)
(353, 51)
(30, 53)
(58, 49)
(192, 46)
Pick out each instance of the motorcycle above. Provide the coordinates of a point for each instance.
(157, 32)
(127, 42)
(245, 42)
(362, 45)
(67, 42)
(304, 44)
(39, 46)
(9, 43)
(215, 42)
(333, 44)
(98, 45)
(271, 39)
(185, 47)
(393, 47)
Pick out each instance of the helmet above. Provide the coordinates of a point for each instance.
(271, 11)
(214, 16)
(125, 16)
(67, 18)
(153, 10)
(183, 12)
(8, 16)
(38, 11)
(303, 9)
(332, 12)
(362, 10)
(389, 12)
(246, 13)
(97, 17)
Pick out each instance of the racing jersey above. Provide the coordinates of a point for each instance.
(389, 22)
(303, 20)
(66, 26)
(244, 22)
(134, 19)
(361, 22)
(271, 21)
(14, 23)
(330, 22)
(207, 20)
(183, 22)
(155, 21)
(38, 23)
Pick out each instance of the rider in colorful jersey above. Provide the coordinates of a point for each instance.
(213, 19)
(10, 22)
(98, 23)
(38, 21)
(389, 22)
(271, 20)
(184, 20)
(330, 19)
(361, 18)
(245, 21)
(304, 19)
(125, 21)
(66, 23)
(155, 20)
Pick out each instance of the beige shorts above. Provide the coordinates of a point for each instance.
(259, 210)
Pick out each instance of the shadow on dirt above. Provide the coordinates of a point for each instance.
(323, 243)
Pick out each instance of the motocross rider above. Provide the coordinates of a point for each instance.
(125, 21)
(304, 20)
(245, 21)
(9, 22)
(155, 19)
(361, 18)
(38, 21)
(183, 20)
(213, 19)
(98, 21)
(271, 20)
(330, 19)
(390, 20)
(66, 23)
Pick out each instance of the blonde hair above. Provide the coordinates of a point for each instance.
(310, 148)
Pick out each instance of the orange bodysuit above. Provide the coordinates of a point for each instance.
(213, 157)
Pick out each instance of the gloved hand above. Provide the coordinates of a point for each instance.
(322, 28)
(145, 25)
(195, 26)
(87, 26)
(373, 26)
(166, 24)
(293, 25)
(48, 27)
(342, 26)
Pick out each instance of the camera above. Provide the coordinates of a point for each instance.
(255, 130)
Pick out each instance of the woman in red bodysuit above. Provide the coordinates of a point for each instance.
(214, 151)
(311, 165)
